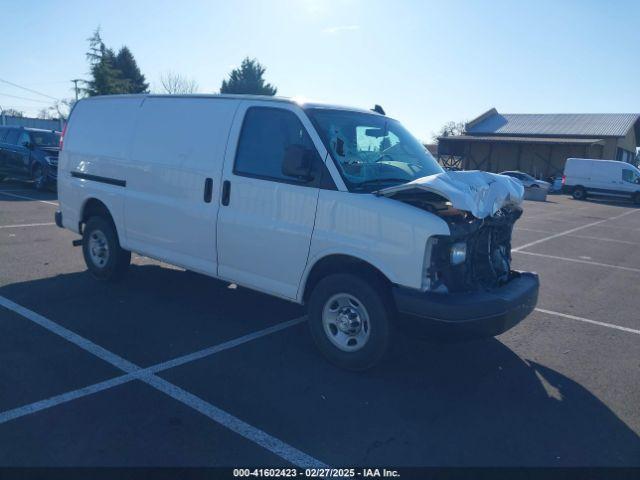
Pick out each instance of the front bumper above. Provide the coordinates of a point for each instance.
(469, 315)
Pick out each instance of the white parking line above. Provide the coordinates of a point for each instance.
(255, 435)
(27, 198)
(143, 372)
(572, 230)
(585, 237)
(586, 320)
(575, 260)
(27, 225)
(547, 213)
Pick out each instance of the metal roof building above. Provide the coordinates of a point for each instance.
(540, 143)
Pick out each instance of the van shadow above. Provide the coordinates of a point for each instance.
(482, 404)
(611, 201)
(462, 404)
(154, 313)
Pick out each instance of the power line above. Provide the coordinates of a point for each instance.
(24, 98)
(28, 89)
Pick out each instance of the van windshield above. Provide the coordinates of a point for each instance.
(372, 151)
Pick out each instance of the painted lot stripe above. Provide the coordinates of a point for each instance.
(251, 433)
(586, 320)
(575, 260)
(143, 372)
(547, 214)
(585, 237)
(28, 225)
(567, 232)
(28, 198)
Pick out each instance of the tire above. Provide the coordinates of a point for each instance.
(636, 198)
(39, 176)
(352, 346)
(579, 193)
(104, 257)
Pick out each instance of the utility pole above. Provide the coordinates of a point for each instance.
(75, 86)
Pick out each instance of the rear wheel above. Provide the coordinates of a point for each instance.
(579, 193)
(636, 198)
(350, 320)
(39, 176)
(104, 257)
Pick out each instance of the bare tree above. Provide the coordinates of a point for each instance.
(175, 84)
(11, 112)
(449, 129)
(59, 110)
(45, 113)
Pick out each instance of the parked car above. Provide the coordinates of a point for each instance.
(336, 208)
(556, 184)
(527, 180)
(612, 178)
(29, 153)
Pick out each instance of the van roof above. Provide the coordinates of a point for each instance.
(297, 101)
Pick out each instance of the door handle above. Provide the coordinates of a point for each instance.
(226, 192)
(208, 189)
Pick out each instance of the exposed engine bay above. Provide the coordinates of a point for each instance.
(486, 242)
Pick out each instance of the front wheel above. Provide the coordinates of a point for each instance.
(104, 257)
(350, 320)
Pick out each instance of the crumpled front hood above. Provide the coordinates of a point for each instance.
(480, 193)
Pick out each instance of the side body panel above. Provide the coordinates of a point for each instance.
(178, 145)
(388, 234)
(97, 142)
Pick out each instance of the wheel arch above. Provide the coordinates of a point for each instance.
(93, 206)
(339, 263)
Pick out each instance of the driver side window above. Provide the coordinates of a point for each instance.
(629, 175)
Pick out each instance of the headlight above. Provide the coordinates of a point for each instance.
(458, 253)
(51, 160)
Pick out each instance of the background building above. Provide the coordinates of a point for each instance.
(539, 144)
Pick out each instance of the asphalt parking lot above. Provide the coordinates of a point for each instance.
(169, 368)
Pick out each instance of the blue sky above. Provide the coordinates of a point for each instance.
(425, 62)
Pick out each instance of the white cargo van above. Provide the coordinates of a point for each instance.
(336, 208)
(585, 176)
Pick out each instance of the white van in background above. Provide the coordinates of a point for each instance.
(584, 176)
(337, 208)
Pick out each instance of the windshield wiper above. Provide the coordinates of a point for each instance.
(380, 182)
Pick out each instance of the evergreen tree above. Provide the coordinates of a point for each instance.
(111, 73)
(248, 79)
(130, 72)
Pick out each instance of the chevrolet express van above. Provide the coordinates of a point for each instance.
(336, 208)
(610, 178)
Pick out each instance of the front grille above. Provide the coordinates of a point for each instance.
(488, 262)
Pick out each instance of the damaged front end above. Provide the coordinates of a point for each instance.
(487, 244)
(468, 282)
(477, 253)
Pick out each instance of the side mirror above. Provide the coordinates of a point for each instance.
(297, 162)
(28, 145)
